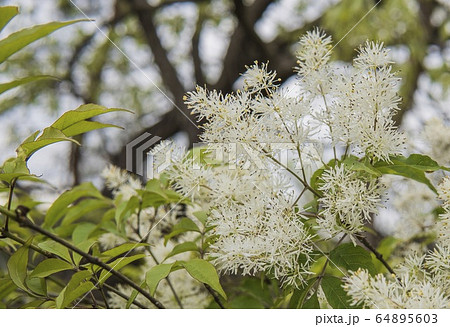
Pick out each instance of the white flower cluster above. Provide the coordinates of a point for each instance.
(120, 182)
(348, 199)
(261, 234)
(359, 103)
(413, 291)
(443, 225)
(256, 220)
(424, 280)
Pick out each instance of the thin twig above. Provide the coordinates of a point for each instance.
(6, 234)
(215, 296)
(379, 256)
(23, 220)
(123, 296)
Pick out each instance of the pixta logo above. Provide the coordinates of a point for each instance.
(137, 155)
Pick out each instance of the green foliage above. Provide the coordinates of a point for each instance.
(204, 272)
(298, 296)
(15, 42)
(183, 247)
(17, 266)
(6, 14)
(352, 257)
(75, 122)
(61, 206)
(117, 265)
(334, 293)
(50, 266)
(413, 167)
(201, 270)
(184, 225)
(21, 81)
(78, 286)
(157, 274)
(18, 40)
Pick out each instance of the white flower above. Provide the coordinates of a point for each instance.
(444, 190)
(110, 240)
(261, 234)
(312, 58)
(114, 177)
(372, 55)
(348, 201)
(422, 283)
(380, 293)
(258, 78)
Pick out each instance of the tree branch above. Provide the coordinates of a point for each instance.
(21, 218)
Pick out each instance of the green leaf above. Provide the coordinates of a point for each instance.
(81, 232)
(413, 167)
(353, 163)
(418, 161)
(37, 285)
(312, 302)
(123, 248)
(18, 40)
(299, 295)
(83, 246)
(60, 206)
(334, 293)
(83, 208)
(21, 81)
(352, 257)
(156, 274)
(244, 301)
(7, 286)
(125, 209)
(86, 126)
(55, 248)
(17, 265)
(76, 287)
(204, 272)
(184, 225)
(154, 195)
(49, 136)
(133, 296)
(201, 216)
(6, 14)
(50, 266)
(14, 168)
(69, 122)
(33, 304)
(181, 248)
(117, 265)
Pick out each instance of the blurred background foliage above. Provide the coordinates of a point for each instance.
(145, 55)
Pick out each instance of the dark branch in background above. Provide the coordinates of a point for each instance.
(94, 79)
(431, 36)
(173, 121)
(241, 50)
(195, 52)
